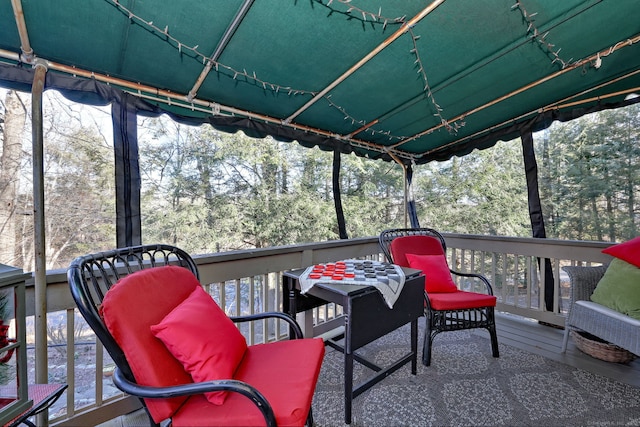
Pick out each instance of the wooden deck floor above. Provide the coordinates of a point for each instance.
(546, 341)
(517, 332)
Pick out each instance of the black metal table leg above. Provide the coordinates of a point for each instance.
(414, 347)
(348, 385)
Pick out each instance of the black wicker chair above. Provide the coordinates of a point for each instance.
(91, 277)
(471, 309)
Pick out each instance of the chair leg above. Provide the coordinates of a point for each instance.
(565, 339)
(494, 340)
(426, 350)
(428, 341)
(309, 422)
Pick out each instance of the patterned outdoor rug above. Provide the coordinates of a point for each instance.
(466, 386)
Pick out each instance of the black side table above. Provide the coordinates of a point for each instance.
(366, 318)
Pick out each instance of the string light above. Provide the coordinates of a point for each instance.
(193, 50)
(451, 128)
(529, 19)
(361, 123)
(378, 17)
(352, 12)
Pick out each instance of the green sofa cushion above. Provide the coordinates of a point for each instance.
(619, 288)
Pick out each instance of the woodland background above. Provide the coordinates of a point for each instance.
(207, 191)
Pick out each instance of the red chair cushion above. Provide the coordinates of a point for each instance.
(436, 271)
(129, 308)
(419, 245)
(203, 338)
(460, 300)
(285, 372)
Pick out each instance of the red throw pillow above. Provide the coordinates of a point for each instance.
(436, 271)
(129, 308)
(201, 336)
(628, 251)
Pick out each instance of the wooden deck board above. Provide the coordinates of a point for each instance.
(547, 341)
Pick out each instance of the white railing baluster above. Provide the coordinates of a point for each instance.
(71, 370)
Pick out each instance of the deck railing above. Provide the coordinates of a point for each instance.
(249, 281)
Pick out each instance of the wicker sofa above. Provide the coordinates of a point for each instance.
(603, 322)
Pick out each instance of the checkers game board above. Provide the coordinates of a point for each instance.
(387, 278)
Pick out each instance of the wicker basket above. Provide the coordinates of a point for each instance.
(595, 347)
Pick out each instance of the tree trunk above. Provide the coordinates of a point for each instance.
(611, 217)
(629, 185)
(14, 121)
(596, 218)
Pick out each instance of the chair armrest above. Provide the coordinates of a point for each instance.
(271, 314)
(583, 281)
(484, 280)
(230, 385)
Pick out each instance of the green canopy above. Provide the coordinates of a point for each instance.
(411, 80)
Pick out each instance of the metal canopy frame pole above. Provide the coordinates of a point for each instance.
(39, 240)
(578, 64)
(25, 45)
(222, 44)
(406, 196)
(393, 37)
(39, 247)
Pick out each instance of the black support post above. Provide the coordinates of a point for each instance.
(127, 170)
(411, 203)
(337, 197)
(535, 213)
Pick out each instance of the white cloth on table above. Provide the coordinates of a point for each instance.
(389, 283)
